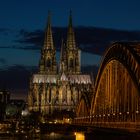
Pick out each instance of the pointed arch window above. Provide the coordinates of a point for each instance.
(71, 63)
(48, 63)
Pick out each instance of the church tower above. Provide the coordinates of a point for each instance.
(51, 92)
(63, 66)
(47, 64)
(72, 51)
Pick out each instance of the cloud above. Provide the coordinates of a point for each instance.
(5, 47)
(3, 61)
(89, 39)
(34, 38)
(16, 77)
(5, 31)
(16, 80)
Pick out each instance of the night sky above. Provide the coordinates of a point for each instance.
(31, 14)
(96, 22)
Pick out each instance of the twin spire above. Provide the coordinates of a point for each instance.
(70, 20)
(48, 42)
(69, 57)
(70, 35)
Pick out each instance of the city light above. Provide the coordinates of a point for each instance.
(79, 136)
(65, 97)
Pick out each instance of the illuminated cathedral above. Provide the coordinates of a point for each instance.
(58, 87)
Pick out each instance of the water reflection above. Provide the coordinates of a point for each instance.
(79, 136)
(74, 136)
(57, 136)
(53, 136)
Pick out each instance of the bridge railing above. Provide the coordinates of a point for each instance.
(88, 120)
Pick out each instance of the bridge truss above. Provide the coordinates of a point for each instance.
(117, 89)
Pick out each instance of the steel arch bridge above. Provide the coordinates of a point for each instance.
(116, 103)
(83, 108)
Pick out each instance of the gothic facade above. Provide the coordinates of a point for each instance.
(58, 87)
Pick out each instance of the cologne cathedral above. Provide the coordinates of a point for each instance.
(58, 86)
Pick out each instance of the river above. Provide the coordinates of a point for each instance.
(75, 136)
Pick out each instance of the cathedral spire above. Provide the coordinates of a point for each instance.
(48, 42)
(70, 35)
(48, 54)
(70, 19)
(62, 57)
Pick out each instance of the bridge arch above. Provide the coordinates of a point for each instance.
(83, 108)
(117, 86)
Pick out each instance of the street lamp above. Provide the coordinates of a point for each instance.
(137, 112)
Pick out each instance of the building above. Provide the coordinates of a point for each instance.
(14, 108)
(58, 87)
(4, 96)
(4, 100)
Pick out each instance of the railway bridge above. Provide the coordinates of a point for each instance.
(116, 99)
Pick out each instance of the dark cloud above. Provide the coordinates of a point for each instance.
(16, 76)
(96, 40)
(23, 47)
(5, 31)
(3, 61)
(89, 39)
(16, 80)
(33, 38)
(4, 47)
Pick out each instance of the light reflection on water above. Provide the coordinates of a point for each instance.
(75, 136)
(79, 136)
(50, 136)
(58, 136)
(72, 136)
